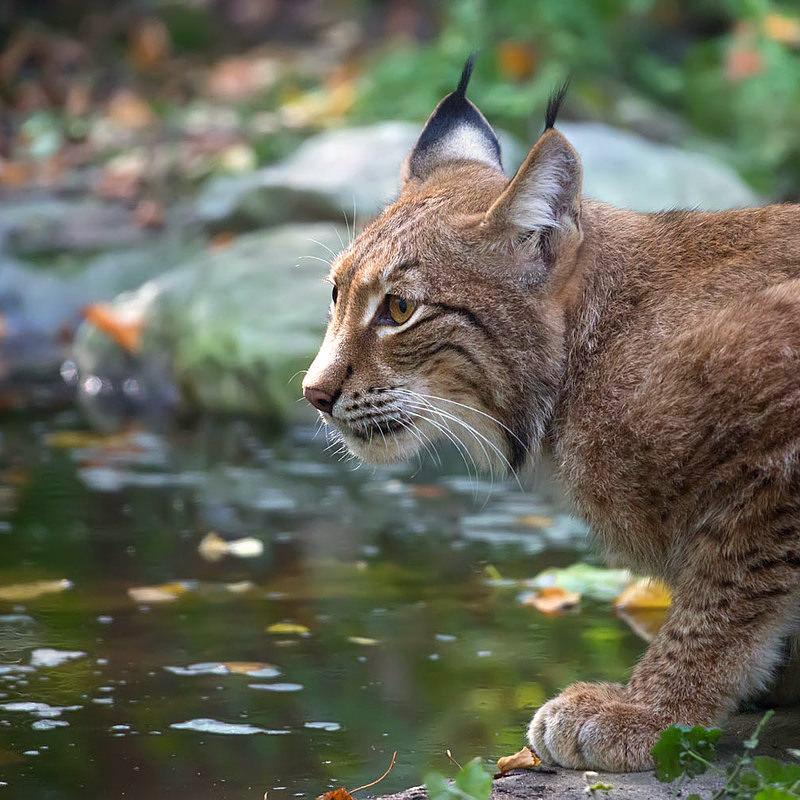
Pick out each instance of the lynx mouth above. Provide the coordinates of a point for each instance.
(367, 430)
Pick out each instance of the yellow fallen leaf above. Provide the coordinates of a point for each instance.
(644, 622)
(782, 28)
(288, 628)
(535, 520)
(244, 667)
(524, 759)
(165, 593)
(552, 600)
(213, 547)
(69, 440)
(645, 593)
(17, 592)
(363, 640)
(240, 587)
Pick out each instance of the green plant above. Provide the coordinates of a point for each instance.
(473, 782)
(683, 753)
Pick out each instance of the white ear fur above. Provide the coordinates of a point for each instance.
(540, 195)
(545, 192)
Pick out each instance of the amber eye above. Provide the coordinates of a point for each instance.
(400, 309)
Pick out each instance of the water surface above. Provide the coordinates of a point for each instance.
(381, 614)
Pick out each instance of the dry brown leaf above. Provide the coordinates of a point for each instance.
(517, 60)
(165, 593)
(343, 794)
(126, 333)
(128, 110)
(149, 43)
(552, 600)
(646, 593)
(18, 592)
(524, 759)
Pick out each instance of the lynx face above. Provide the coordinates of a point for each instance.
(441, 323)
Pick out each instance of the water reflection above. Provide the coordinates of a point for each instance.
(363, 623)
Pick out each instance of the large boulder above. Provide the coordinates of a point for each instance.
(226, 330)
(355, 172)
(336, 175)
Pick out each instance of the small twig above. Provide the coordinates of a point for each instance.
(450, 756)
(377, 780)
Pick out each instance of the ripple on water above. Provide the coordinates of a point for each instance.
(38, 709)
(226, 728)
(231, 668)
(323, 726)
(49, 724)
(50, 657)
(277, 687)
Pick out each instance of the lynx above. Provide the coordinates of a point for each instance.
(654, 357)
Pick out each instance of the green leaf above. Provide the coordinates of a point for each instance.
(776, 772)
(474, 780)
(682, 750)
(773, 793)
(437, 786)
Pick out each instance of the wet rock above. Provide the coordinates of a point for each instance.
(629, 171)
(226, 330)
(41, 308)
(339, 172)
(42, 226)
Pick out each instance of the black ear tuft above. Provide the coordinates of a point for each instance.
(456, 131)
(466, 74)
(554, 105)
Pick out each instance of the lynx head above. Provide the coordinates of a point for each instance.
(443, 322)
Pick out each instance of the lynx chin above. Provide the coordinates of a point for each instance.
(654, 357)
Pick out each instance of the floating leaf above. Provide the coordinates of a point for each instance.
(644, 622)
(597, 582)
(18, 592)
(165, 593)
(646, 593)
(524, 759)
(552, 600)
(288, 628)
(365, 641)
(213, 547)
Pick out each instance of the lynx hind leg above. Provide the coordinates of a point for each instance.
(720, 645)
(784, 689)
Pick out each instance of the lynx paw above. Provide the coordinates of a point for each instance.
(593, 726)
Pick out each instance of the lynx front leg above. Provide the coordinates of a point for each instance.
(719, 644)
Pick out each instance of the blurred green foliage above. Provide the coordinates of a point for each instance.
(731, 69)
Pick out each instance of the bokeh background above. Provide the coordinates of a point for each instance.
(198, 598)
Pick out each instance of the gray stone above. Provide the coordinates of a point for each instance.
(629, 171)
(782, 732)
(234, 323)
(338, 172)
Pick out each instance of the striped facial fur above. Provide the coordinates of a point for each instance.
(437, 330)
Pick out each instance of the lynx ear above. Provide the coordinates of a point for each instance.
(543, 198)
(456, 131)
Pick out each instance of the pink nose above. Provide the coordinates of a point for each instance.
(319, 398)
